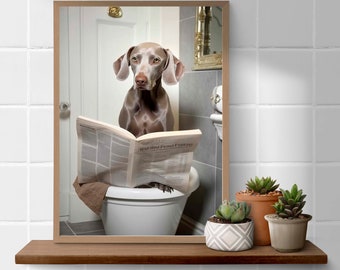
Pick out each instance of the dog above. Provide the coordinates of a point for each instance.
(146, 107)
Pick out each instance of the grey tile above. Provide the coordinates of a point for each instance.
(89, 227)
(195, 91)
(186, 38)
(65, 229)
(187, 12)
(206, 150)
(201, 203)
(218, 187)
(219, 153)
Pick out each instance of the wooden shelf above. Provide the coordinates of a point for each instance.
(48, 252)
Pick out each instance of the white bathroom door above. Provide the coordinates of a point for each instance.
(104, 39)
(96, 40)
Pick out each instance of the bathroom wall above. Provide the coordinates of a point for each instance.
(195, 89)
(284, 117)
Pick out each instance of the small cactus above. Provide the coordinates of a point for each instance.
(291, 202)
(262, 185)
(232, 211)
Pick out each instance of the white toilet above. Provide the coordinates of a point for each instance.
(144, 211)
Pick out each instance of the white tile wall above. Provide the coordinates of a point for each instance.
(13, 77)
(325, 176)
(327, 142)
(14, 236)
(13, 143)
(243, 64)
(326, 23)
(41, 134)
(285, 77)
(41, 79)
(41, 24)
(15, 177)
(327, 238)
(285, 134)
(285, 23)
(327, 77)
(285, 111)
(242, 134)
(243, 24)
(13, 24)
(41, 203)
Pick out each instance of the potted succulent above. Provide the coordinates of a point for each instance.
(260, 194)
(288, 227)
(230, 229)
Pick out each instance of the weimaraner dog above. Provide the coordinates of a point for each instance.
(146, 107)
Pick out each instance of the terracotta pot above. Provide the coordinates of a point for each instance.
(229, 237)
(261, 205)
(288, 235)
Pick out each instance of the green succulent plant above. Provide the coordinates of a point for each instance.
(291, 202)
(233, 211)
(262, 185)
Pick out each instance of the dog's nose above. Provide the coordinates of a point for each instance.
(141, 80)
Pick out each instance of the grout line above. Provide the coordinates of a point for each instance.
(28, 148)
(257, 70)
(314, 103)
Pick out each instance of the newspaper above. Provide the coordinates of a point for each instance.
(113, 155)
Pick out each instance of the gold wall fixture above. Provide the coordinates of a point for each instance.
(115, 12)
(204, 56)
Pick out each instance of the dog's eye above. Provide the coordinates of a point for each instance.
(134, 59)
(156, 60)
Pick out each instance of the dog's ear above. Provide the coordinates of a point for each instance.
(121, 66)
(174, 69)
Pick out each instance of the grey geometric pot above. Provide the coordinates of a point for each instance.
(287, 235)
(229, 237)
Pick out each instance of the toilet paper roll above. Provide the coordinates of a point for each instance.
(216, 98)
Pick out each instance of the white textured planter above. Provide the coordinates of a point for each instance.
(229, 237)
(287, 235)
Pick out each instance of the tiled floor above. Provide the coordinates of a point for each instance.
(82, 228)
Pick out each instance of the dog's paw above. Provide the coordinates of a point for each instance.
(162, 187)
